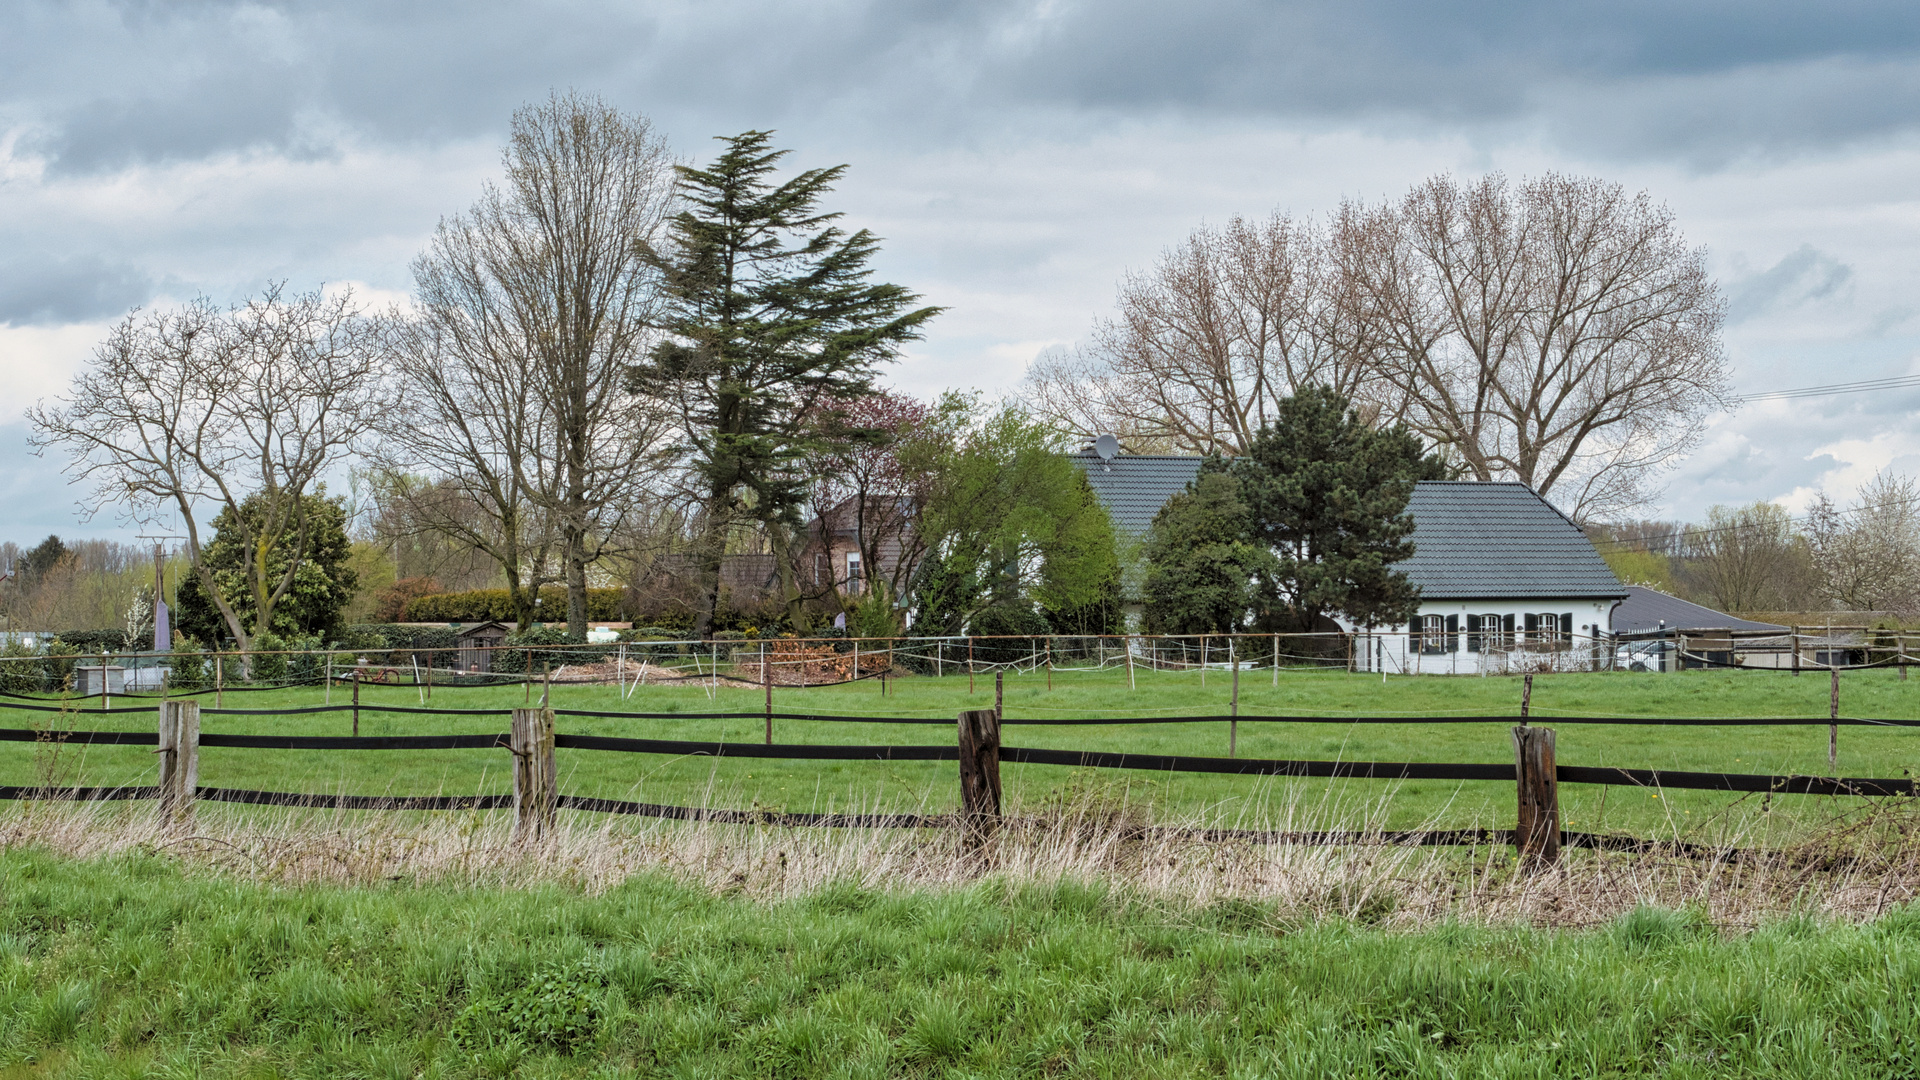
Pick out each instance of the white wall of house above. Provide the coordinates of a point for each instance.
(1395, 650)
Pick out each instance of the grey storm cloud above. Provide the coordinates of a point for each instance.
(50, 289)
(1803, 275)
(105, 84)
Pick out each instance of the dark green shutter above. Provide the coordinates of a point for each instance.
(1415, 642)
(1506, 627)
(1473, 633)
(1533, 627)
(1453, 633)
(1566, 628)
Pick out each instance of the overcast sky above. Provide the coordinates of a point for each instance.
(1018, 157)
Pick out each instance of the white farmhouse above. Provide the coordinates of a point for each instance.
(1507, 582)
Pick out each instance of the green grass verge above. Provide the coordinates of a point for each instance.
(130, 967)
(809, 785)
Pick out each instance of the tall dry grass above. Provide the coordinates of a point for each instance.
(1864, 860)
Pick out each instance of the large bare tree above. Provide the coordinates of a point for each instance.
(530, 309)
(1207, 343)
(192, 411)
(1560, 332)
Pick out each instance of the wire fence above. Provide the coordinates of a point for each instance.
(792, 662)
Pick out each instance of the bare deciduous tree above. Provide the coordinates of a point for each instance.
(1747, 558)
(1560, 333)
(543, 294)
(196, 409)
(1205, 344)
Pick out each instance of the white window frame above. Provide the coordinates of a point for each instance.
(1493, 635)
(855, 579)
(1433, 634)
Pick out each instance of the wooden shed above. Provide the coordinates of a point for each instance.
(477, 643)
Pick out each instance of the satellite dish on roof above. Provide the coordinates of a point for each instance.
(1107, 447)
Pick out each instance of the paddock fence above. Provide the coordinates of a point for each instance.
(532, 739)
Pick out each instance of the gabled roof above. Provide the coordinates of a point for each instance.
(1472, 540)
(1133, 487)
(1499, 540)
(1644, 610)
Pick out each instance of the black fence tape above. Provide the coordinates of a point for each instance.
(356, 802)
(355, 742)
(755, 817)
(90, 738)
(77, 794)
(1710, 781)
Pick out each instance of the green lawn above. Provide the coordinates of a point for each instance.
(129, 967)
(805, 785)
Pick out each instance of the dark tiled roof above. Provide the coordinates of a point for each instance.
(1133, 487)
(1472, 541)
(1644, 609)
(1500, 541)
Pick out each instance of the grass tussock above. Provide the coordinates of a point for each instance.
(1088, 833)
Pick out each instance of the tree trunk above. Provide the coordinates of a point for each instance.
(712, 552)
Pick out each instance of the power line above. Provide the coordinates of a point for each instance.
(1895, 382)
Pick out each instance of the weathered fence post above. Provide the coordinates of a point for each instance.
(1233, 725)
(969, 663)
(535, 776)
(1794, 638)
(356, 701)
(1204, 642)
(766, 676)
(1049, 663)
(999, 692)
(979, 775)
(1526, 699)
(1833, 721)
(1536, 830)
(179, 758)
(1276, 661)
(1130, 662)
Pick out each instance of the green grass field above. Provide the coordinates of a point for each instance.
(811, 785)
(130, 967)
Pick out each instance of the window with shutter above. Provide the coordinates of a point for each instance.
(1533, 628)
(1549, 628)
(1494, 631)
(1433, 634)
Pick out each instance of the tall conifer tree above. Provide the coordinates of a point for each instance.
(773, 324)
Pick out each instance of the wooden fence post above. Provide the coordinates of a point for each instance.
(1129, 662)
(535, 776)
(979, 775)
(356, 701)
(969, 663)
(999, 691)
(1526, 699)
(1233, 725)
(1536, 830)
(1205, 641)
(179, 758)
(1833, 722)
(766, 676)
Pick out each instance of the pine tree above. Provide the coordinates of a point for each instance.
(773, 325)
(1328, 493)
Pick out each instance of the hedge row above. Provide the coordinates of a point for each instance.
(482, 605)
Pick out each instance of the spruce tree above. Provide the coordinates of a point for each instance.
(772, 326)
(1328, 493)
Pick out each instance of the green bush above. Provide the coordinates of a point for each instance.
(268, 664)
(59, 664)
(1004, 619)
(21, 669)
(189, 664)
(548, 647)
(95, 642)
